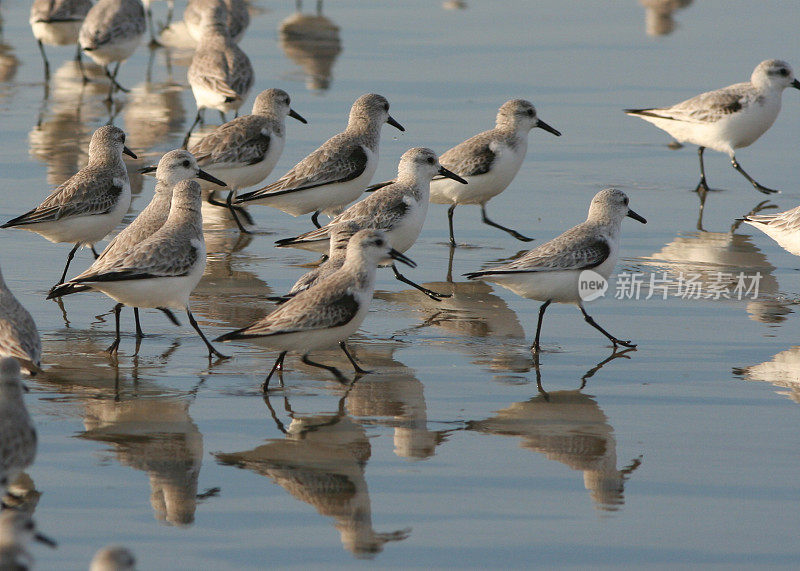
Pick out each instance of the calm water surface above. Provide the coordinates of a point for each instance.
(682, 453)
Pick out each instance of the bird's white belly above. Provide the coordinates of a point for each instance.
(115, 51)
(57, 33)
(155, 292)
(480, 188)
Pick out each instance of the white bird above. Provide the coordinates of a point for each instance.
(729, 118)
(220, 74)
(17, 433)
(783, 227)
(489, 161)
(398, 209)
(111, 33)
(337, 172)
(328, 312)
(17, 530)
(235, 17)
(244, 151)
(19, 337)
(160, 271)
(553, 271)
(58, 23)
(173, 167)
(113, 558)
(89, 205)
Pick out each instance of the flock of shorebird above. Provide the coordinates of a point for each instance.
(157, 260)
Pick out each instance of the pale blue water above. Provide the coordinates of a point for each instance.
(448, 456)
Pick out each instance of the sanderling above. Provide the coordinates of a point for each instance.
(113, 558)
(173, 167)
(58, 23)
(244, 151)
(220, 74)
(729, 118)
(111, 33)
(235, 17)
(19, 337)
(329, 311)
(17, 432)
(399, 209)
(91, 203)
(336, 173)
(340, 235)
(17, 529)
(160, 271)
(489, 161)
(552, 271)
(783, 227)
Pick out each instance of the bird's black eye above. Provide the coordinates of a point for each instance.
(430, 160)
(625, 201)
(379, 242)
(784, 72)
(29, 525)
(530, 112)
(186, 163)
(386, 107)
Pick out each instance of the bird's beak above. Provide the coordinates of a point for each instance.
(395, 255)
(295, 115)
(450, 174)
(542, 125)
(42, 538)
(205, 176)
(395, 124)
(635, 216)
(796, 84)
(148, 170)
(129, 152)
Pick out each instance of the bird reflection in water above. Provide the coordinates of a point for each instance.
(712, 259)
(570, 427)
(473, 321)
(156, 436)
(394, 398)
(321, 461)
(8, 61)
(658, 16)
(312, 42)
(782, 371)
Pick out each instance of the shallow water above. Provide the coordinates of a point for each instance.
(682, 453)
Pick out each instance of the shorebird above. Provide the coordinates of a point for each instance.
(783, 227)
(19, 337)
(111, 33)
(160, 271)
(336, 173)
(113, 558)
(220, 74)
(17, 433)
(236, 17)
(489, 161)
(89, 205)
(398, 209)
(729, 118)
(17, 530)
(58, 23)
(329, 311)
(173, 167)
(554, 270)
(244, 151)
(339, 238)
